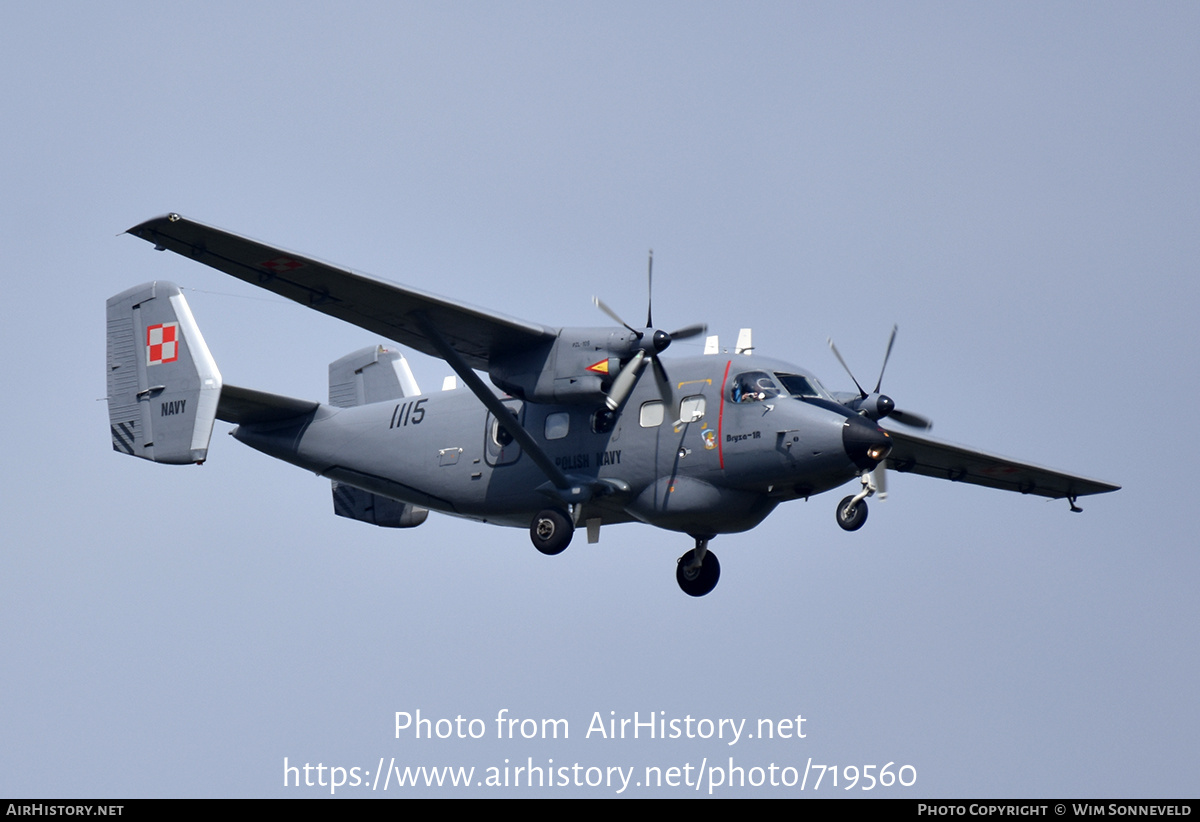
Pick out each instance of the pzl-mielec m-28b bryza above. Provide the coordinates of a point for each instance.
(707, 445)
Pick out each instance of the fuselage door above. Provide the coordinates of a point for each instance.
(500, 449)
(694, 432)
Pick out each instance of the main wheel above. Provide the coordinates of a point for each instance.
(851, 517)
(698, 581)
(551, 532)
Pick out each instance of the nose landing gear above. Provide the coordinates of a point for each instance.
(852, 511)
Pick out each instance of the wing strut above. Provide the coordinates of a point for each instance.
(569, 491)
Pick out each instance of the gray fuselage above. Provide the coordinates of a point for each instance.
(722, 469)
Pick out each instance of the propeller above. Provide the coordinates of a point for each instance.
(874, 405)
(648, 343)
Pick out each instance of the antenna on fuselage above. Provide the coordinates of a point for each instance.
(744, 343)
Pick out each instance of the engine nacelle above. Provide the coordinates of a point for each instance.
(578, 367)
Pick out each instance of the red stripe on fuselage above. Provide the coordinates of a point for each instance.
(721, 417)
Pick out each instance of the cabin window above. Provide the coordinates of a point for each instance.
(691, 409)
(652, 414)
(557, 425)
(500, 448)
(499, 436)
(603, 420)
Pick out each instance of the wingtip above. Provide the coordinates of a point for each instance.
(169, 217)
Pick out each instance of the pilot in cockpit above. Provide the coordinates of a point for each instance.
(753, 386)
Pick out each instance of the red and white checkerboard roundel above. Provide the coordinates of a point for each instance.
(162, 343)
(281, 265)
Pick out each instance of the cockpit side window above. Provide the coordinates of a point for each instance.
(753, 386)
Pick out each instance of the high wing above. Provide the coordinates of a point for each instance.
(396, 312)
(944, 461)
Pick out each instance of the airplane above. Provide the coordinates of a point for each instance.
(575, 436)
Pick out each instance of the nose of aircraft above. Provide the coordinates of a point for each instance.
(866, 443)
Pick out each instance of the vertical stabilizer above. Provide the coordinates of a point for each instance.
(163, 385)
(369, 375)
(373, 374)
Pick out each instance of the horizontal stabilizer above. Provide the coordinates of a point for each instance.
(246, 406)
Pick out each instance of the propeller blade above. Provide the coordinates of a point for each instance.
(650, 290)
(694, 330)
(625, 381)
(599, 303)
(837, 354)
(886, 355)
(662, 381)
(909, 418)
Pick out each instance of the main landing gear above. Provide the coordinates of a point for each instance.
(697, 571)
(852, 511)
(551, 531)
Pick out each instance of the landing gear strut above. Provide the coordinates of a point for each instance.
(551, 531)
(852, 511)
(697, 571)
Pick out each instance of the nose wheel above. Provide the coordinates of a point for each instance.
(852, 511)
(697, 571)
(851, 514)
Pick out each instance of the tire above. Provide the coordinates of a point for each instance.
(706, 577)
(851, 518)
(551, 532)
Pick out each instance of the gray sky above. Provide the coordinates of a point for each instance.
(1015, 185)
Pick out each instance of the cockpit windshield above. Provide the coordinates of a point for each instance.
(803, 387)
